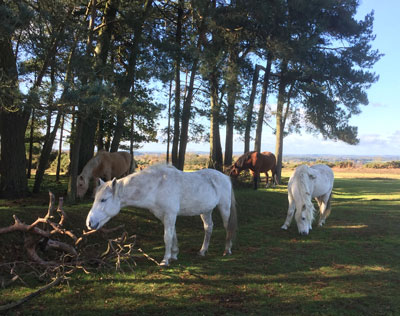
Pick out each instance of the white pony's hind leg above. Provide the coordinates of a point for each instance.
(208, 228)
(225, 211)
(291, 210)
(324, 208)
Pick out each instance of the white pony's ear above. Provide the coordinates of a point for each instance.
(101, 182)
(114, 186)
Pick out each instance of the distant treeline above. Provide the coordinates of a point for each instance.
(199, 161)
(349, 164)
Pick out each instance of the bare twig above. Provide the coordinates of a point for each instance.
(148, 257)
(55, 282)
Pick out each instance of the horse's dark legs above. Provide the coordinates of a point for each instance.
(266, 180)
(255, 179)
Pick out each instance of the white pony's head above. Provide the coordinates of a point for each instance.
(82, 186)
(303, 186)
(106, 204)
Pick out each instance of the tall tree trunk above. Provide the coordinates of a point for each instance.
(45, 154)
(169, 121)
(215, 159)
(13, 124)
(60, 149)
(31, 144)
(118, 132)
(184, 133)
(87, 140)
(13, 183)
(280, 121)
(87, 118)
(186, 117)
(127, 86)
(132, 139)
(232, 85)
(261, 112)
(74, 164)
(100, 134)
(249, 112)
(177, 114)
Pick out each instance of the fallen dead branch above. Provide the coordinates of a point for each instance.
(55, 282)
(69, 253)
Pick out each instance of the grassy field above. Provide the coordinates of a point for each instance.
(351, 266)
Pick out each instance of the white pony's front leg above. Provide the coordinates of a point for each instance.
(291, 210)
(169, 232)
(208, 228)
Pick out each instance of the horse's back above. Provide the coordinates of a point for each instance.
(324, 182)
(195, 192)
(120, 162)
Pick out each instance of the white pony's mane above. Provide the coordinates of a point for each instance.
(301, 177)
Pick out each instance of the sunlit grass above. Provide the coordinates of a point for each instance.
(351, 266)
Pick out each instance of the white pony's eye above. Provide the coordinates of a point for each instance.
(303, 218)
(103, 200)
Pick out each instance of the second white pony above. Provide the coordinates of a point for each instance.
(305, 184)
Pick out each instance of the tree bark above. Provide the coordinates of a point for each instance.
(127, 86)
(31, 145)
(263, 102)
(13, 183)
(60, 149)
(169, 121)
(186, 117)
(13, 123)
(232, 85)
(177, 114)
(45, 154)
(74, 164)
(189, 98)
(280, 121)
(249, 113)
(215, 159)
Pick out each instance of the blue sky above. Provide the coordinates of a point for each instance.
(378, 124)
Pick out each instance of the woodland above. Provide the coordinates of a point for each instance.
(92, 69)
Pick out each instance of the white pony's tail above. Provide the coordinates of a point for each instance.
(232, 222)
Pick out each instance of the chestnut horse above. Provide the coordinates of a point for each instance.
(104, 165)
(257, 163)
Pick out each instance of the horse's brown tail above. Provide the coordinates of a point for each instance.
(232, 222)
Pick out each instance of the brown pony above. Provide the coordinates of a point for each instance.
(104, 165)
(257, 163)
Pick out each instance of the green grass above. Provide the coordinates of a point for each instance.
(349, 267)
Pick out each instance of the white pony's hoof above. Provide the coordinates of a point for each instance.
(227, 253)
(164, 263)
(284, 227)
(202, 253)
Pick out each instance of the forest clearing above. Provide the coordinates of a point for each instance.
(350, 266)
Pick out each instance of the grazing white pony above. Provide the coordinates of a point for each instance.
(305, 184)
(168, 192)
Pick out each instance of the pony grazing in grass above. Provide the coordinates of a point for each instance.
(305, 184)
(257, 163)
(104, 165)
(168, 192)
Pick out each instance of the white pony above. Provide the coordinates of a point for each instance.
(168, 192)
(305, 184)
